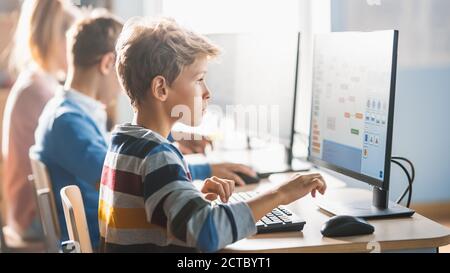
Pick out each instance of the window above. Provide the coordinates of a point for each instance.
(212, 16)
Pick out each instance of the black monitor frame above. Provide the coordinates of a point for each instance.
(381, 187)
(290, 147)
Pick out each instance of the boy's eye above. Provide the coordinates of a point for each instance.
(200, 80)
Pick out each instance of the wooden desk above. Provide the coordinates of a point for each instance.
(416, 234)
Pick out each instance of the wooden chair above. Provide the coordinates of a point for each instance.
(3, 247)
(46, 204)
(75, 215)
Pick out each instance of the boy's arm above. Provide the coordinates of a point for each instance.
(297, 187)
(190, 219)
(193, 221)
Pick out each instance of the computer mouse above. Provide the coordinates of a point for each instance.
(343, 225)
(248, 179)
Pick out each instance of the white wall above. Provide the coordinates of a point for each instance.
(222, 16)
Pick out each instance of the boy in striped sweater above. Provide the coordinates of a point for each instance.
(147, 200)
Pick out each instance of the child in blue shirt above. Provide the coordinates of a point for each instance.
(71, 135)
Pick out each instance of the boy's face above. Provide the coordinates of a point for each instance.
(188, 94)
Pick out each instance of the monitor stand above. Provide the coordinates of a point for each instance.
(380, 207)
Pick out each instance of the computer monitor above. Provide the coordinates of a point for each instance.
(258, 69)
(352, 114)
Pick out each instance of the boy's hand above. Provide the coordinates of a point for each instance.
(229, 170)
(299, 186)
(215, 186)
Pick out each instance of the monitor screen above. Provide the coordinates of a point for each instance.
(352, 103)
(257, 70)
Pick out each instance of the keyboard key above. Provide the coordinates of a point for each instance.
(260, 223)
(277, 213)
(239, 198)
(246, 194)
(266, 220)
(253, 194)
(286, 219)
(242, 197)
(276, 221)
(285, 211)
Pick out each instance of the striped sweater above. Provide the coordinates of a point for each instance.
(149, 204)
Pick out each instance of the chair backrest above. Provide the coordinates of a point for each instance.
(75, 215)
(46, 204)
(3, 248)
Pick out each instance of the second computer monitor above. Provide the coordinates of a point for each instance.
(257, 70)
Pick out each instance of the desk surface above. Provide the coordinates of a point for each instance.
(416, 232)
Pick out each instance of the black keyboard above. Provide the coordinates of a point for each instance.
(279, 220)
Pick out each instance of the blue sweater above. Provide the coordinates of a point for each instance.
(73, 148)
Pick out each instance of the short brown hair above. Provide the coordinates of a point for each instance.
(92, 37)
(161, 47)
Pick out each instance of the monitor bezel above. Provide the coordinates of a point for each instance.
(383, 184)
(290, 146)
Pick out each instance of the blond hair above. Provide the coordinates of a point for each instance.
(41, 26)
(160, 47)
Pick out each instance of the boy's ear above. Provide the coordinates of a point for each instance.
(107, 63)
(159, 88)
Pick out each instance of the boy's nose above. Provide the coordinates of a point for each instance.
(206, 93)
